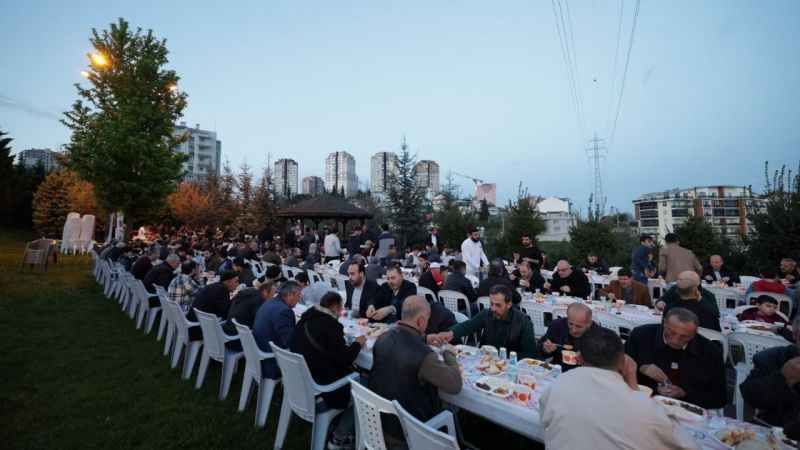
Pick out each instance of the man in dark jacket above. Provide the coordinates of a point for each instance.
(161, 274)
(528, 279)
(675, 361)
(360, 291)
(566, 333)
(275, 323)
(500, 326)
(216, 297)
(716, 271)
(144, 264)
(594, 263)
(529, 252)
(389, 299)
(687, 293)
(498, 275)
(569, 282)
(244, 271)
(427, 278)
(773, 386)
(457, 281)
(244, 307)
(641, 259)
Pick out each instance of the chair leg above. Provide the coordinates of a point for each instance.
(247, 382)
(201, 371)
(143, 310)
(168, 341)
(283, 421)
(229, 364)
(162, 325)
(152, 314)
(319, 431)
(176, 351)
(192, 349)
(265, 390)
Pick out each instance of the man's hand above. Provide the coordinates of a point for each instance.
(383, 313)
(549, 347)
(672, 391)
(546, 285)
(362, 340)
(446, 336)
(370, 311)
(524, 283)
(565, 289)
(435, 339)
(628, 373)
(611, 296)
(654, 372)
(791, 371)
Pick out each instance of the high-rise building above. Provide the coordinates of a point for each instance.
(340, 173)
(726, 208)
(383, 167)
(285, 177)
(486, 191)
(428, 176)
(313, 185)
(204, 150)
(31, 157)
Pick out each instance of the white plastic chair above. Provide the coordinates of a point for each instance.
(784, 301)
(537, 319)
(338, 281)
(714, 335)
(334, 264)
(313, 277)
(368, 407)
(474, 280)
(182, 326)
(451, 298)
(300, 396)
(145, 310)
(253, 356)
(725, 299)
(617, 324)
(165, 324)
(214, 340)
(426, 436)
(747, 280)
(427, 293)
(752, 344)
(484, 303)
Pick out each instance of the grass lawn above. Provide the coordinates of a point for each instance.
(75, 373)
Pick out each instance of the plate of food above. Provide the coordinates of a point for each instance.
(498, 387)
(531, 363)
(491, 365)
(376, 329)
(489, 350)
(681, 410)
(466, 350)
(741, 439)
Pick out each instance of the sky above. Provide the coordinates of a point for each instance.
(712, 88)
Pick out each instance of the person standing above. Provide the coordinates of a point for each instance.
(472, 253)
(332, 246)
(674, 259)
(641, 259)
(529, 252)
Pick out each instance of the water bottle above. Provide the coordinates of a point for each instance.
(503, 354)
(513, 358)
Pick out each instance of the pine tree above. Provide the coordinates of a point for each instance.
(699, 236)
(6, 158)
(123, 123)
(521, 218)
(483, 214)
(406, 200)
(229, 207)
(52, 203)
(263, 204)
(449, 217)
(189, 205)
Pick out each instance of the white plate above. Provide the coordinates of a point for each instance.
(758, 442)
(494, 383)
(467, 350)
(674, 409)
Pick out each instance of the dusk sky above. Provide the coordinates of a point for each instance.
(712, 88)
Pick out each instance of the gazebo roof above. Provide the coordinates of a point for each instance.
(325, 207)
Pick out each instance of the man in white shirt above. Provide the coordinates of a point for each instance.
(472, 252)
(332, 246)
(598, 405)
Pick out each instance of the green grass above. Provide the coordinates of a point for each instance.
(75, 373)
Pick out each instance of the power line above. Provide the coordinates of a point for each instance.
(568, 63)
(625, 73)
(614, 69)
(576, 70)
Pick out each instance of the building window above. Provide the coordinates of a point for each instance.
(680, 212)
(648, 223)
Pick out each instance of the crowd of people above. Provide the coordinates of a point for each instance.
(211, 271)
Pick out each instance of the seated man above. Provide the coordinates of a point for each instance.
(428, 278)
(628, 289)
(162, 274)
(359, 290)
(569, 282)
(320, 339)
(688, 294)
(246, 276)
(566, 334)
(677, 362)
(406, 369)
(275, 323)
(374, 269)
(599, 405)
(442, 319)
(593, 263)
(144, 264)
(457, 281)
(527, 278)
(498, 274)
(716, 272)
(184, 286)
(499, 326)
(388, 302)
(772, 386)
(790, 272)
(216, 297)
(244, 306)
(764, 311)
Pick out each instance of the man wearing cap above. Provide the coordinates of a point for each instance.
(472, 252)
(216, 297)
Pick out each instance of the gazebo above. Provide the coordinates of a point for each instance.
(325, 207)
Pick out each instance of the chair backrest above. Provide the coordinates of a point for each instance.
(380, 281)
(286, 272)
(141, 293)
(743, 308)
(368, 408)
(340, 281)
(313, 276)
(617, 324)
(460, 317)
(714, 335)
(536, 315)
(179, 319)
(334, 264)
(754, 343)
(784, 301)
(252, 354)
(474, 280)
(420, 436)
(655, 288)
(484, 302)
(427, 293)
(212, 337)
(725, 299)
(747, 280)
(450, 300)
(297, 382)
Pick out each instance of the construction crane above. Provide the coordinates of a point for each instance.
(477, 181)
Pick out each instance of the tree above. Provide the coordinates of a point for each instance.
(190, 205)
(264, 207)
(60, 193)
(776, 230)
(6, 158)
(123, 124)
(592, 236)
(449, 216)
(521, 218)
(699, 236)
(406, 200)
(483, 214)
(228, 187)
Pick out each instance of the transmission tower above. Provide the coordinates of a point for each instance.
(596, 151)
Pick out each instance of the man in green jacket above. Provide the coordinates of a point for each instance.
(500, 326)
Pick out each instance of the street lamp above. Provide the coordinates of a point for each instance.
(99, 59)
(173, 87)
(84, 74)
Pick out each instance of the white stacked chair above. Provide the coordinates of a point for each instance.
(313, 277)
(252, 372)
(537, 319)
(451, 300)
(214, 340)
(301, 395)
(484, 303)
(182, 326)
(752, 344)
(166, 323)
(368, 407)
(145, 310)
(427, 293)
(425, 435)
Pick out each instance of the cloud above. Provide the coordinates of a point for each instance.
(16, 105)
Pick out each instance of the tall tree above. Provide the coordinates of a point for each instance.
(405, 199)
(189, 205)
(60, 193)
(776, 230)
(521, 217)
(6, 158)
(451, 219)
(123, 123)
(263, 202)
